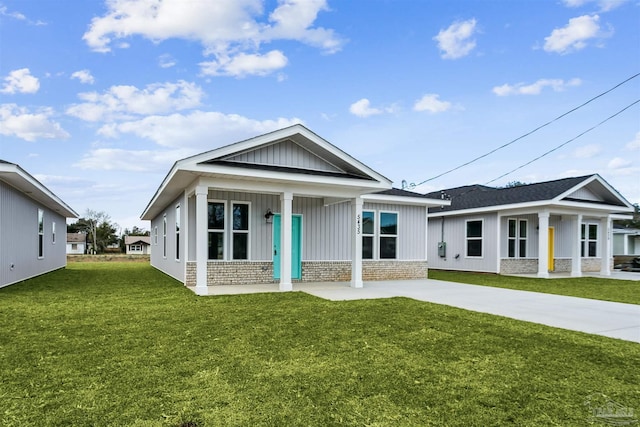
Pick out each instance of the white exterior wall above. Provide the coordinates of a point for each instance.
(19, 243)
(455, 239)
(167, 262)
(79, 250)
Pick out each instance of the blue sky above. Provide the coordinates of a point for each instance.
(99, 98)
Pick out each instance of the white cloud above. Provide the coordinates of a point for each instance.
(432, 104)
(125, 101)
(129, 160)
(587, 151)
(456, 42)
(4, 11)
(84, 76)
(618, 163)
(197, 130)
(166, 61)
(557, 85)
(245, 64)
(634, 144)
(20, 81)
(604, 5)
(574, 36)
(225, 28)
(362, 108)
(19, 122)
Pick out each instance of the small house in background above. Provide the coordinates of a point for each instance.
(137, 245)
(32, 223)
(626, 241)
(76, 243)
(563, 225)
(281, 208)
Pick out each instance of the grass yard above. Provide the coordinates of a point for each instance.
(121, 344)
(584, 287)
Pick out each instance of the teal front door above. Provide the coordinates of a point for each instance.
(296, 246)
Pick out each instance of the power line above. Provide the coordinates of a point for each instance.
(528, 133)
(566, 142)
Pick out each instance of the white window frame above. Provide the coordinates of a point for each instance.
(40, 233)
(53, 232)
(233, 232)
(380, 235)
(517, 239)
(177, 232)
(467, 238)
(585, 240)
(225, 254)
(164, 236)
(155, 231)
(372, 235)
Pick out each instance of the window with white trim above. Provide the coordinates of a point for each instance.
(216, 229)
(135, 248)
(164, 236)
(589, 240)
(178, 233)
(240, 230)
(388, 240)
(474, 238)
(40, 233)
(368, 234)
(53, 233)
(155, 235)
(517, 235)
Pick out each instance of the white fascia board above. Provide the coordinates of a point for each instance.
(31, 187)
(402, 200)
(589, 180)
(160, 190)
(594, 207)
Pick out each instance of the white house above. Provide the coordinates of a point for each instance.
(137, 245)
(32, 226)
(76, 243)
(555, 226)
(626, 241)
(283, 207)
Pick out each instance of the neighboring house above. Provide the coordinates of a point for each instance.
(282, 207)
(76, 243)
(626, 241)
(555, 226)
(32, 223)
(137, 245)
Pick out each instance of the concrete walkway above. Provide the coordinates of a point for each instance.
(610, 319)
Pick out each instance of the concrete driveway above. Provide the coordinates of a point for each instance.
(610, 319)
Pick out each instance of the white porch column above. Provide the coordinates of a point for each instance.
(543, 244)
(356, 243)
(605, 238)
(576, 248)
(286, 223)
(201, 240)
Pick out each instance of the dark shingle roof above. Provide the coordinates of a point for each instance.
(401, 193)
(480, 196)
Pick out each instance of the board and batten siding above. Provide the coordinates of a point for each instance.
(19, 238)
(168, 264)
(456, 243)
(285, 153)
(326, 230)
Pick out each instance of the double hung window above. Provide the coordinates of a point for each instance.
(517, 238)
(178, 233)
(40, 233)
(474, 238)
(589, 240)
(236, 230)
(240, 231)
(379, 235)
(216, 228)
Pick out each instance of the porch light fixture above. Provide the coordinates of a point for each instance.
(268, 216)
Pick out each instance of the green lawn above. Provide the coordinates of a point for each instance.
(584, 287)
(117, 344)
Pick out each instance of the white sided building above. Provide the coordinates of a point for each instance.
(33, 226)
(282, 208)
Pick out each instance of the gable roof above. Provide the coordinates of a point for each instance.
(19, 179)
(588, 189)
(132, 240)
(76, 238)
(292, 154)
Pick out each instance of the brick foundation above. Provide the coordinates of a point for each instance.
(562, 265)
(260, 272)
